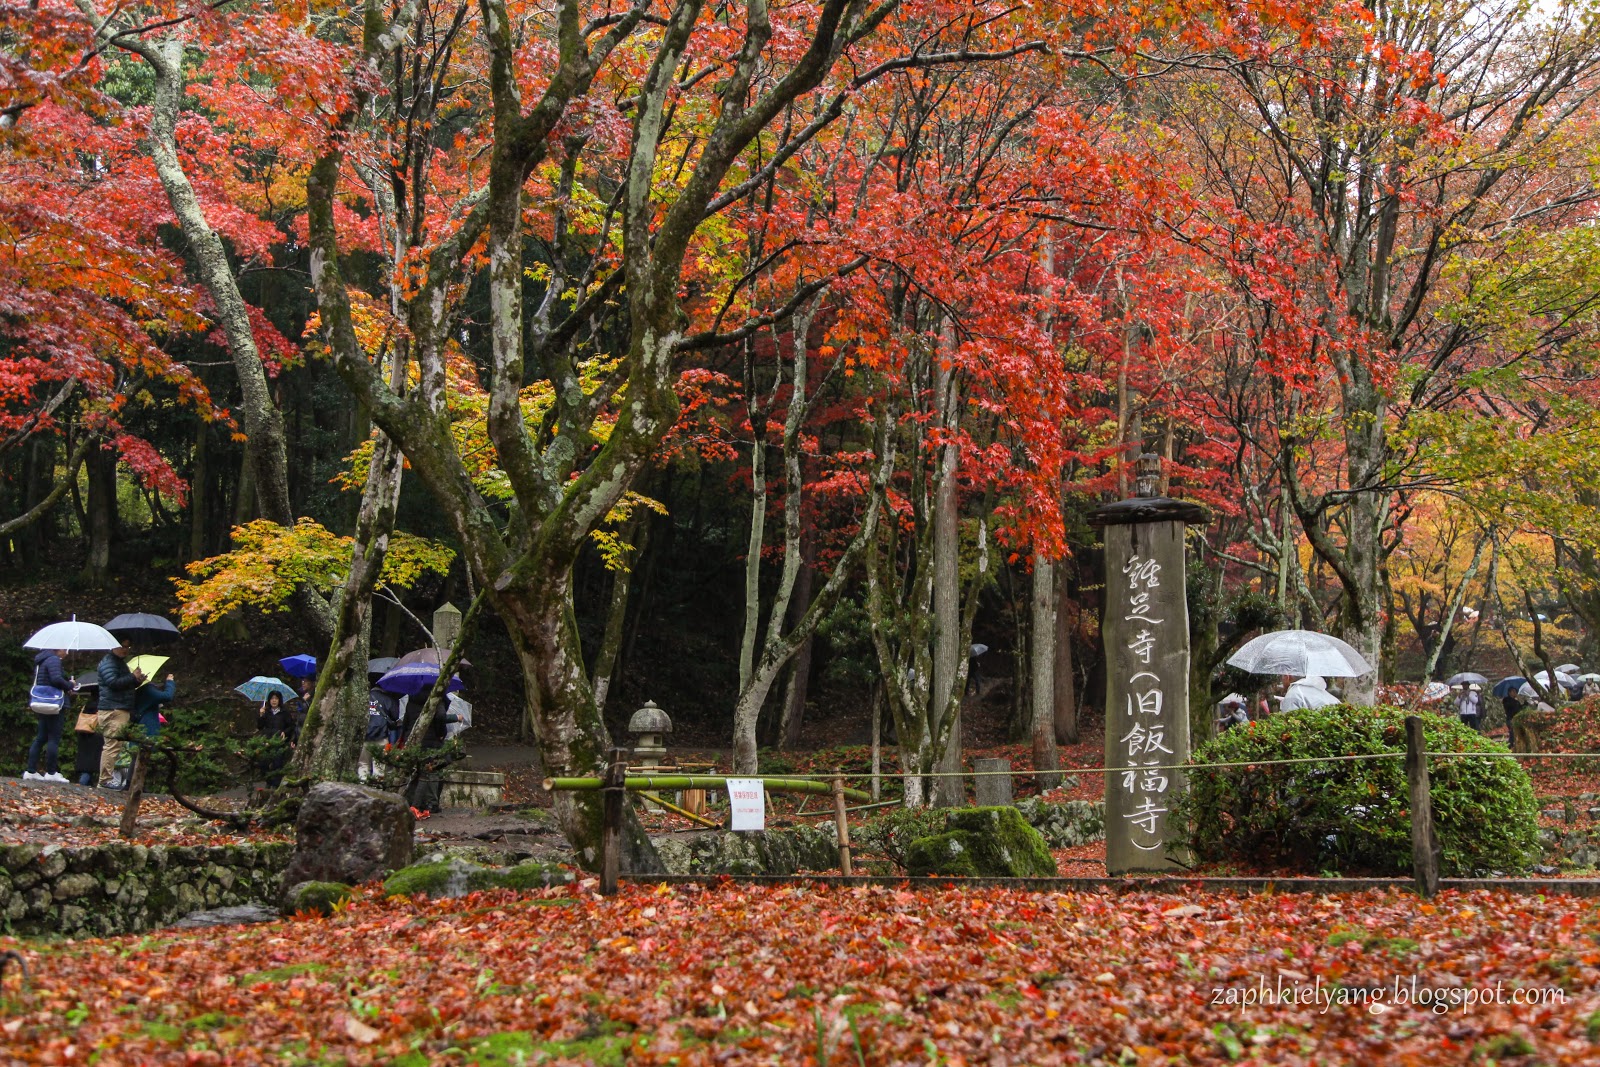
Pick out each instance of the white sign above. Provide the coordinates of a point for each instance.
(749, 800)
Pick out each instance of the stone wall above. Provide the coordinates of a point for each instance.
(104, 890)
(780, 851)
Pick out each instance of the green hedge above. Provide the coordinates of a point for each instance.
(1354, 815)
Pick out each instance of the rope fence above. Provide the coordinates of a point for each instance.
(1425, 850)
(828, 776)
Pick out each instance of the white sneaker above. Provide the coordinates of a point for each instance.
(56, 777)
(29, 776)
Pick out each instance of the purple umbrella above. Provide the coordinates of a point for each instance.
(299, 666)
(414, 678)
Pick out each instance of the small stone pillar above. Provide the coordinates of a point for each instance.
(1146, 633)
(446, 627)
(992, 789)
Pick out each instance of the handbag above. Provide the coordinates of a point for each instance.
(88, 723)
(45, 699)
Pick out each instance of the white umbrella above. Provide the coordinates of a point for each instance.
(1569, 668)
(1562, 678)
(1300, 653)
(74, 636)
(1434, 691)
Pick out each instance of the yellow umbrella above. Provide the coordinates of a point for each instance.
(149, 666)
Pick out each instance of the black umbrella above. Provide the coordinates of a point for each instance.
(143, 628)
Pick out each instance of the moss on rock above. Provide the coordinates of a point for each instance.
(456, 878)
(318, 898)
(946, 854)
(994, 842)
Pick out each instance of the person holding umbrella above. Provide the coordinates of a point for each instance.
(148, 701)
(273, 721)
(47, 671)
(1469, 705)
(117, 685)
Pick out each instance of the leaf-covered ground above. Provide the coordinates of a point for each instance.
(45, 813)
(739, 974)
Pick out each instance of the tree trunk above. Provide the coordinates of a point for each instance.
(244, 500)
(605, 660)
(263, 422)
(1042, 649)
(1066, 688)
(949, 657)
(102, 516)
(794, 700)
(335, 726)
(199, 491)
(571, 734)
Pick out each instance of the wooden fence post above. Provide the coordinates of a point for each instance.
(613, 792)
(130, 807)
(1424, 850)
(841, 825)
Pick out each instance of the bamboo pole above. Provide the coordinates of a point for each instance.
(841, 825)
(699, 781)
(670, 806)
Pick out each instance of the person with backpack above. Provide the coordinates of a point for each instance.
(48, 701)
(383, 718)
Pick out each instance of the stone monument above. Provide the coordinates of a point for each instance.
(1146, 634)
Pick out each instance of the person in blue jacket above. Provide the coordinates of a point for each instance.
(148, 701)
(47, 728)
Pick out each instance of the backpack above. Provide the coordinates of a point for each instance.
(377, 718)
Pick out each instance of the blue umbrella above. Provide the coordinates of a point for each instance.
(414, 678)
(258, 687)
(299, 666)
(1508, 685)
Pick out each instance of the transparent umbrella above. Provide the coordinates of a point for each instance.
(1467, 678)
(74, 636)
(1300, 653)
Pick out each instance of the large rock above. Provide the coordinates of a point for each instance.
(994, 842)
(349, 834)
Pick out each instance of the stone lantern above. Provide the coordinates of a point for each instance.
(648, 727)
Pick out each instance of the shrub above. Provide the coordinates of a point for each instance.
(1571, 727)
(1353, 815)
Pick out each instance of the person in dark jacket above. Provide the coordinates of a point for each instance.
(148, 702)
(273, 721)
(300, 706)
(87, 769)
(426, 795)
(47, 670)
(117, 684)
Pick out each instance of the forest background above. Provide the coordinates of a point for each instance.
(759, 359)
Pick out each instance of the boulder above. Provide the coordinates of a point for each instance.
(994, 842)
(457, 878)
(349, 834)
